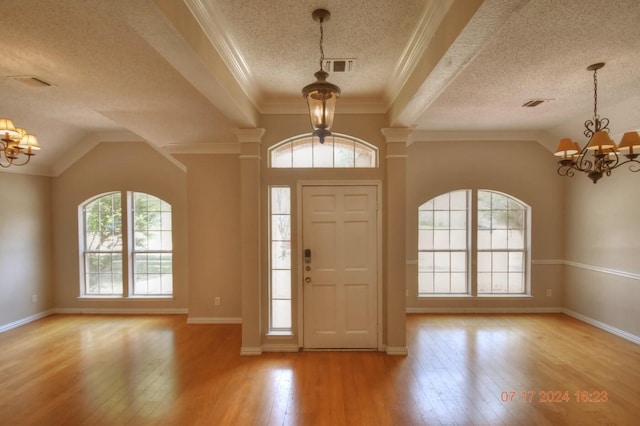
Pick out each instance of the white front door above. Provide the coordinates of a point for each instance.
(339, 239)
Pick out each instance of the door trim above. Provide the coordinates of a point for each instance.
(299, 276)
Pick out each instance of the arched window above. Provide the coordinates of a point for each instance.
(338, 151)
(132, 242)
(446, 244)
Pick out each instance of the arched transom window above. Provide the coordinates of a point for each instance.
(338, 151)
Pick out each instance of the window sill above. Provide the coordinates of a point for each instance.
(275, 335)
(125, 298)
(479, 296)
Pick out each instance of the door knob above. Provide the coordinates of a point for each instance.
(307, 280)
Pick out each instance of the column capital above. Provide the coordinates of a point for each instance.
(249, 135)
(397, 134)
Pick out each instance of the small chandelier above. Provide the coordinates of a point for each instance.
(601, 154)
(16, 145)
(321, 95)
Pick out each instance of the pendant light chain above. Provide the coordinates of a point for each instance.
(595, 94)
(321, 48)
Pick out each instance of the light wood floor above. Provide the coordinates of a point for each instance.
(461, 369)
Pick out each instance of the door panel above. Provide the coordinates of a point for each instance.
(340, 282)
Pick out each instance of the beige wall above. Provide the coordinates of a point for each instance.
(25, 247)
(116, 167)
(214, 236)
(602, 281)
(524, 170)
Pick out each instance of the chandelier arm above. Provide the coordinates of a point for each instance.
(634, 165)
(14, 163)
(566, 170)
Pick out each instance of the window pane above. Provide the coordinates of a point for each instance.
(484, 219)
(516, 282)
(281, 314)
(425, 240)
(441, 240)
(459, 240)
(516, 261)
(459, 200)
(499, 282)
(458, 261)
(152, 274)
(281, 284)
(302, 153)
(280, 255)
(280, 227)
(364, 156)
(343, 153)
(425, 219)
(441, 219)
(458, 283)
(441, 283)
(441, 261)
(282, 156)
(280, 200)
(499, 239)
(458, 220)
(516, 239)
(441, 202)
(484, 262)
(425, 283)
(484, 282)
(500, 261)
(322, 154)
(484, 200)
(484, 240)
(425, 262)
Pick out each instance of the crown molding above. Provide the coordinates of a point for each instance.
(217, 32)
(428, 23)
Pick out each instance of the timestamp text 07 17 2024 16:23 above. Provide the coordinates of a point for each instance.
(554, 396)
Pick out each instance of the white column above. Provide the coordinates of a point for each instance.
(250, 238)
(395, 199)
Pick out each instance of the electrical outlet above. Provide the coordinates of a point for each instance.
(216, 301)
(549, 292)
(34, 298)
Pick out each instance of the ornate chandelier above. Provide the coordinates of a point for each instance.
(321, 95)
(16, 145)
(600, 156)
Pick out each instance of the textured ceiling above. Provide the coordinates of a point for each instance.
(185, 73)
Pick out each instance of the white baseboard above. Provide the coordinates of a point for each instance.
(214, 320)
(280, 347)
(480, 310)
(122, 311)
(606, 327)
(397, 350)
(23, 321)
(245, 350)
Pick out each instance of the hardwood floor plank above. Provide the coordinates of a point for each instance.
(461, 369)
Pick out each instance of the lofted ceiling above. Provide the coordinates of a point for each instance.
(183, 74)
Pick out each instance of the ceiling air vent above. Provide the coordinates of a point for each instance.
(332, 65)
(31, 80)
(534, 102)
